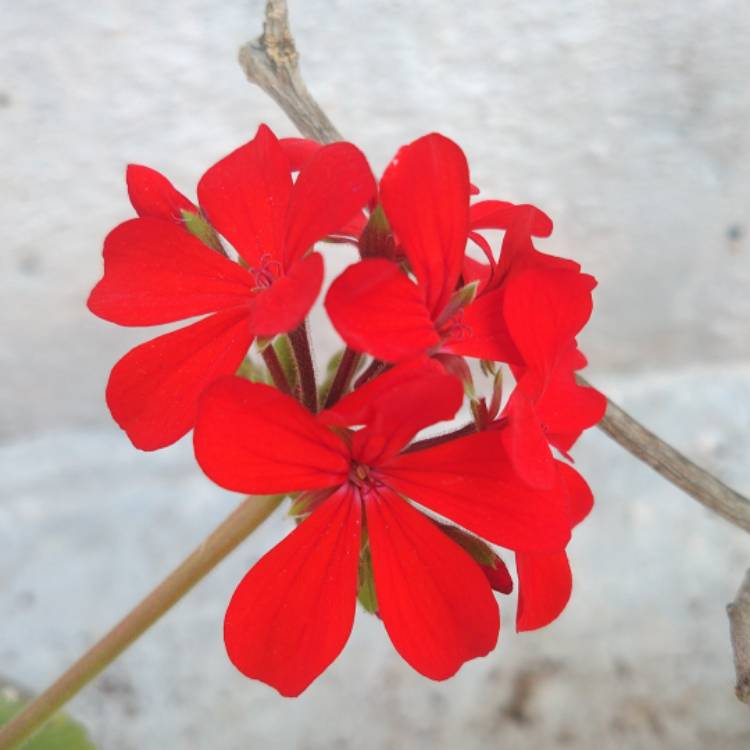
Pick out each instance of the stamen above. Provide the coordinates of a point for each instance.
(455, 329)
(270, 269)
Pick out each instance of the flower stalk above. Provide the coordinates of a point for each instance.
(341, 381)
(375, 368)
(234, 529)
(276, 369)
(300, 342)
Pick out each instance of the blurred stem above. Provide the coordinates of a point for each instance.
(467, 429)
(373, 370)
(343, 376)
(306, 370)
(276, 369)
(233, 530)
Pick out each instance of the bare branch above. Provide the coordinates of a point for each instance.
(739, 629)
(272, 63)
(673, 466)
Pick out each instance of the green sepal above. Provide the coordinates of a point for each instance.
(366, 581)
(477, 548)
(261, 342)
(253, 372)
(497, 394)
(376, 240)
(488, 367)
(200, 228)
(334, 362)
(459, 299)
(478, 412)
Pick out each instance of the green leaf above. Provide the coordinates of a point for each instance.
(60, 732)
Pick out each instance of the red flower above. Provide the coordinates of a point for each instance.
(292, 613)
(376, 307)
(153, 196)
(545, 581)
(157, 272)
(544, 309)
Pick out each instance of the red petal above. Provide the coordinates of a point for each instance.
(471, 481)
(335, 183)
(298, 151)
(291, 615)
(285, 304)
(473, 270)
(567, 409)
(484, 246)
(527, 444)
(404, 411)
(395, 406)
(353, 228)
(377, 310)
(251, 438)
(153, 390)
(484, 331)
(544, 586)
(518, 252)
(544, 310)
(155, 272)
(245, 196)
(499, 577)
(579, 493)
(503, 215)
(434, 600)
(362, 405)
(152, 195)
(425, 195)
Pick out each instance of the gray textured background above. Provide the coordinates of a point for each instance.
(627, 122)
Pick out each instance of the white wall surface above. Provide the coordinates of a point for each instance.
(628, 122)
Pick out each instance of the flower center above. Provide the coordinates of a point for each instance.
(455, 329)
(267, 273)
(360, 476)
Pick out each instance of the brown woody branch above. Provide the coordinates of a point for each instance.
(739, 629)
(272, 62)
(673, 466)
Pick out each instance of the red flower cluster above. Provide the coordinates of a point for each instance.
(372, 502)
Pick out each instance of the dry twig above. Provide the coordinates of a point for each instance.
(739, 629)
(673, 466)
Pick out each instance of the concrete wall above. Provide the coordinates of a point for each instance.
(626, 121)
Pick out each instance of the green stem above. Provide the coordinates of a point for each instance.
(343, 376)
(233, 530)
(305, 368)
